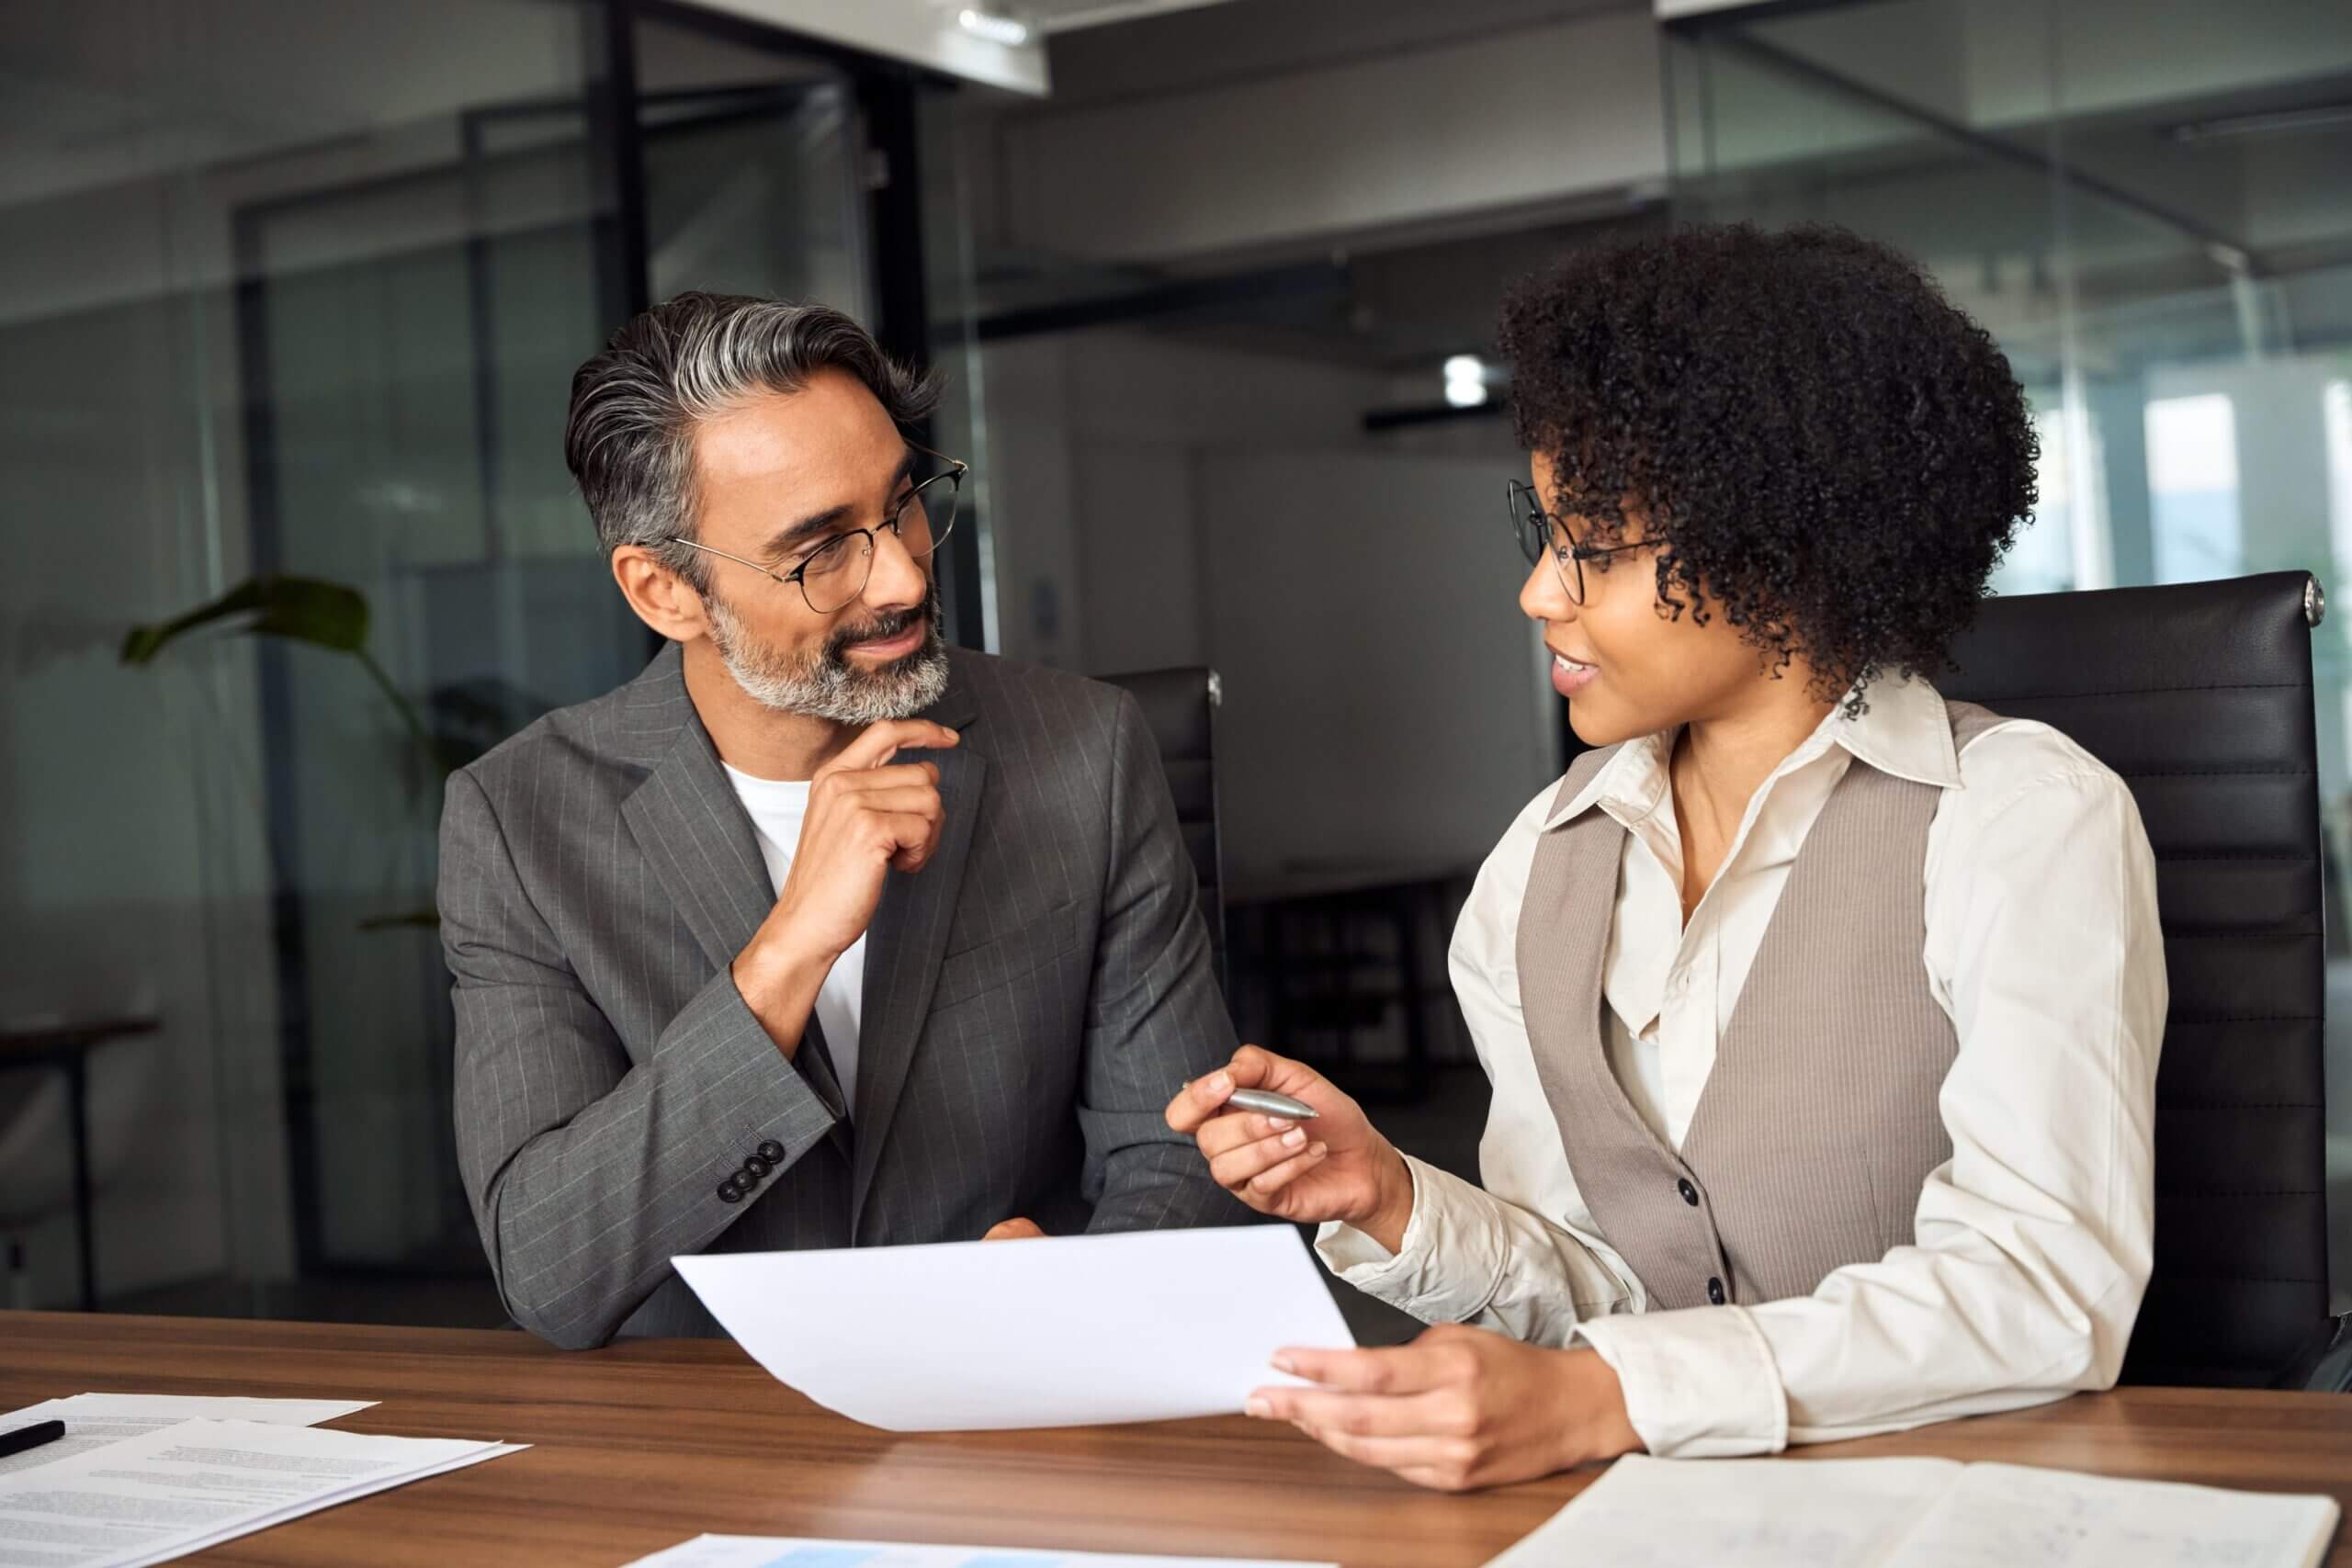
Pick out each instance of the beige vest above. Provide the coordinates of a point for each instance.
(1818, 1126)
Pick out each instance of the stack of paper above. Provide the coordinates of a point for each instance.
(94, 1420)
(778, 1551)
(1916, 1513)
(181, 1487)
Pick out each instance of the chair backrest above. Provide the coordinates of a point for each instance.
(2200, 696)
(1181, 707)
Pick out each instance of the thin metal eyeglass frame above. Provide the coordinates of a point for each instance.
(1528, 516)
(799, 576)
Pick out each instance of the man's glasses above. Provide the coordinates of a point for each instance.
(1541, 534)
(836, 572)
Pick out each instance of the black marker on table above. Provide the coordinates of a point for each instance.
(30, 1437)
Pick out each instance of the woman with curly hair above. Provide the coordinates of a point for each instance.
(1822, 1014)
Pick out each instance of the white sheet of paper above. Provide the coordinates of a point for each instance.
(1915, 1513)
(782, 1552)
(94, 1420)
(2007, 1515)
(1738, 1513)
(180, 1488)
(1143, 1325)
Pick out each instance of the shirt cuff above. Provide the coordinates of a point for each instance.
(1452, 1260)
(1700, 1383)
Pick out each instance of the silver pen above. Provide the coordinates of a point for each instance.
(1267, 1102)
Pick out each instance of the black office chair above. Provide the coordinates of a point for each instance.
(2200, 696)
(1181, 707)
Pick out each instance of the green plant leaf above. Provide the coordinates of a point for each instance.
(303, 609)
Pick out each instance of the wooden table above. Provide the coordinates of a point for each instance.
(644, 1445)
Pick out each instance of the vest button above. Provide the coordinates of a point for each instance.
(1716, 1291)
(1689, 1193)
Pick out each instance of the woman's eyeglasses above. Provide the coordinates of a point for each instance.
(1541, 534)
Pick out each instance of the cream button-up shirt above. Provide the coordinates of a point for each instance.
(2032, 1244)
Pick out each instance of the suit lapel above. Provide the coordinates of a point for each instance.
(698, 839)
(906, 941)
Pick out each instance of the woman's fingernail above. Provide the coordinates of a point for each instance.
(1283, 1363)
(1259, 1408)
(1319, 1151)
(1292, 1138)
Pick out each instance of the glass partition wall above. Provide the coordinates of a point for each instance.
(2149, 204)
(291, 297)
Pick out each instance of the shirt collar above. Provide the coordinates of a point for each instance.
(1903, 729)
(1906, 731)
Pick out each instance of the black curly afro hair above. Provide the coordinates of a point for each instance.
(1832, 454)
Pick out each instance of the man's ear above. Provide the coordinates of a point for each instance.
(660, 596)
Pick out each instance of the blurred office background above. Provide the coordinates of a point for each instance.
(295, 288)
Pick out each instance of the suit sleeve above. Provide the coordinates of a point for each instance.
(1155, 1016)
(588, 1173)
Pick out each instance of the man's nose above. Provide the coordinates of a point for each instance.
(898, 579)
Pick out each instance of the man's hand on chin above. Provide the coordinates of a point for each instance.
(1013, 1230)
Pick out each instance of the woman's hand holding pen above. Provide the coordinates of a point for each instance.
(1336, 1166)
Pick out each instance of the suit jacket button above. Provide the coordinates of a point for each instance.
(772, 1152)
(759, 1166)
(1716, 1291)
(1689, 1193)
(731, 1190)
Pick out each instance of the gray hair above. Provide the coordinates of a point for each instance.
(629, 438)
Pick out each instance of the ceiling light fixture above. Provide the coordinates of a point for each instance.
(993, 28)
(2270, 122)
(1465, 380)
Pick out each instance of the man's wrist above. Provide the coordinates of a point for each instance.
(778, 980)
(781, 955)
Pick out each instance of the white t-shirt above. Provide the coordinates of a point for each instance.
(777, 810)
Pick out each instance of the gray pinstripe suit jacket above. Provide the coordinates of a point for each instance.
(1033, 999)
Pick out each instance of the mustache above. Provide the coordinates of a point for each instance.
(882, 628)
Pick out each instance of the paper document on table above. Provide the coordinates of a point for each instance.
(1916, 1513)
(781, 1551)
(1735, 1513)
(1142, 1325)
(2009, 1516)
(94, 1420)
(196, 1483)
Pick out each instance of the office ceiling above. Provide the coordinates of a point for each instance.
(1054, 16)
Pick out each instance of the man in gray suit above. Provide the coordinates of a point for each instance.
(819, 933)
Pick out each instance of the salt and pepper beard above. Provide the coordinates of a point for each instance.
(823, 684)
